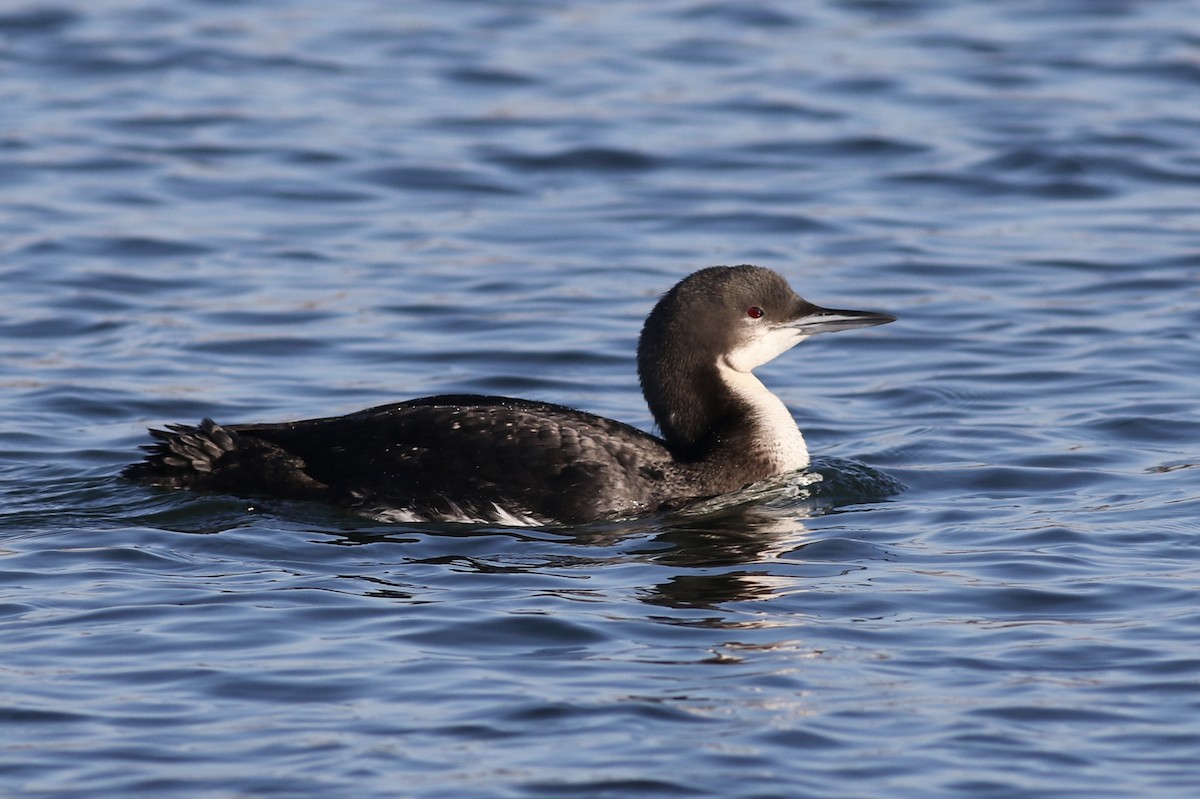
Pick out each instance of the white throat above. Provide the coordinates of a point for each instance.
(774, 428)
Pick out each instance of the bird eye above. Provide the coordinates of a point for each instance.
(754, 312)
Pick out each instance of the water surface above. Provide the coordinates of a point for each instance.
(259, 211)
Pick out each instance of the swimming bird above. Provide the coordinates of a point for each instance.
(499, 460)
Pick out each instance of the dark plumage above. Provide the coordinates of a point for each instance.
(463, 457)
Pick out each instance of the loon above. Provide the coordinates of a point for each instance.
(485, 459)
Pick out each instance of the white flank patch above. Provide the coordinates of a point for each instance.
(457, 515)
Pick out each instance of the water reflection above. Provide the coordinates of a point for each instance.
(713, 552)
(712, 590)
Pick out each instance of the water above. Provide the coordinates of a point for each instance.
(261, 211)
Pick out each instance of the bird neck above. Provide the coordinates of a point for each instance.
(769, 434)
(712, 410)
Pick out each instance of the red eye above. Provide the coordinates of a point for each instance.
(754, 312)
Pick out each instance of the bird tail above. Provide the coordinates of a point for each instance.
(184, 456)
(209, 456)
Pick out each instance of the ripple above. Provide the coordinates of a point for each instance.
(613, 787)
(1060, 189)
(739, 14)
(523, 631)
(38, 20)
(775, 107)
(430, 179)
(845, 146)
(261, 347)
(180, 121)
(121, 247)
(747, 222)
(28, 715)
(484, 76)
(585, 159)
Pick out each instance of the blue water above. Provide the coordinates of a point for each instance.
(258, 211)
